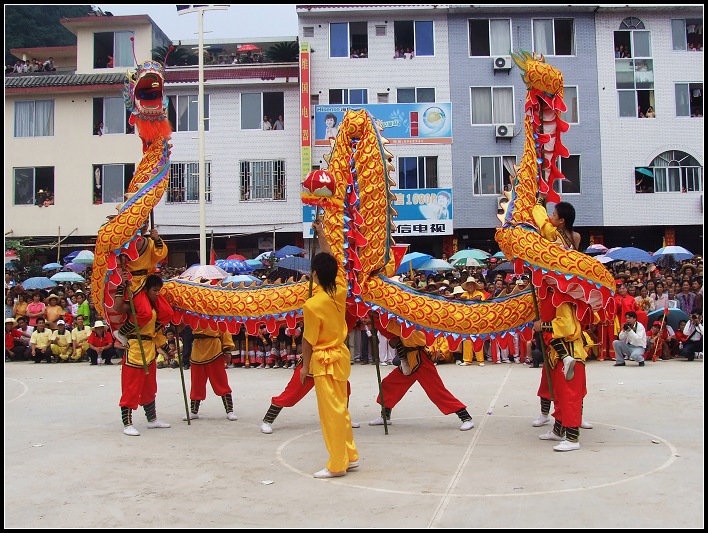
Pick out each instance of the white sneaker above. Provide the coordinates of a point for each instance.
(466, 425)
(158, 424)
(353, 465)
(585, 424)
(383, 363)
(480, 364)
(550, 436)
(267, 366)
(260, 366)
(192, 416)
(130, 430)
(541, 420)
(458, 363)
(266, 428)
(356, 425)
(465, 363)
(231, 416)
(380, 422)
(291, 366)
(568, 368)
(567, 446)
(325, 474)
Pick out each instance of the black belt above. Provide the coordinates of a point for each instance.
(202, 336)
(139, 272)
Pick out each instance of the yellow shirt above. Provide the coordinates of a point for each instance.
(151, 339)
(566, 326)
(209, 345)
(80, 336)
(63, 339)
(326, 331)
(41, 339)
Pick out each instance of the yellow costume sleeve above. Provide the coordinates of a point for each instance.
(566, 326)
(540, 217)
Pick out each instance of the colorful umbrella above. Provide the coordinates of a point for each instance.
(506, 266)
(679, 253)
(75, 267)
(69, 258)
(603, 258)
(237, 257)
(288, 250)
(594, 249)
(499, 255)
(467, 262)
(644, 171)
(435, 264)
(255, 263)
(51, 266)
(248, 48)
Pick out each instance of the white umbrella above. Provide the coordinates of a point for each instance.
(466, 262)
(471, 252)
(84, 257)
(679, 253)
(71, 277)
(197, 272)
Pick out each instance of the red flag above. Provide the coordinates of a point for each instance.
(666, 309)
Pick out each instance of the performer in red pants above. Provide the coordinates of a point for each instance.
(294, 392)
(416, 366)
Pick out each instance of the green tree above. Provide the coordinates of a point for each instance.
(27, 266)
(180, 56)
(283, 52)
(38, 26)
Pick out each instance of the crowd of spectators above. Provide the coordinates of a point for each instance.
(30, 66)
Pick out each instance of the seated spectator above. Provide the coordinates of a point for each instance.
(9, 68)
(61, 343)
(40, 342)
(49, 65)
(14, 347)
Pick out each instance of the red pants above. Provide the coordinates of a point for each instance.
(296, 391)
(396, 384)
(138, 388)
(567, 395)
(215, 373)
(143, 309)
(605, 337)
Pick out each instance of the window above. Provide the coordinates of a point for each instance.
(262, 180)
(493, 175)
(183, 113)
(34, 118)
(489, 37)
(413, 95)
(34, 186)
(570, 97)
(687, 34)
(689, 99)
(414, 37)
(554, 37)
(634, 69)
(347, 39)
(308, 31)
(492, 105)
(112, 114)
(184, 182)
(382, 98)
(113, 49)
(418, 172)
(675, 171)
(570, 168)
(110, 183)
(255, 106)
(348, 96)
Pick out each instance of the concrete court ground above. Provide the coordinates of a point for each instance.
(68, 464)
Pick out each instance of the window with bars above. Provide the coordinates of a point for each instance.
(262, 180)
(184, 183)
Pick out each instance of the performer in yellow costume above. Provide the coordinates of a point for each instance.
(326, 357)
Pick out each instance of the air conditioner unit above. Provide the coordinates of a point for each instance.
(502, 63)
(504, 131)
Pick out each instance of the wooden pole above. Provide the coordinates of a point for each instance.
(181, 375)
(375, 352)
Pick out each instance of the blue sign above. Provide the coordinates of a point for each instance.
(420, 212)
(429, 123)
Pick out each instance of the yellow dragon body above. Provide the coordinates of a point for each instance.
(355, 194)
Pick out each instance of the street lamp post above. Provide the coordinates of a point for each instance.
(200, 103)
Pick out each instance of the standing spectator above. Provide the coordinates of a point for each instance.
(686, 299)
(9, 306)
(326, 358)
(278, 125)
(209, 350)
(632, 341)
(661, 299)
(53, 311)
(266, 123)
(40, 341)
(36, 309)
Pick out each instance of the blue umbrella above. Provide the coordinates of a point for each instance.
(298, 264)
(679, 253)
(10, 266)
(435, 265)
(630, 253)
(38, 283)
(672, 319)
(412, 261)
(70, 257)
(74, 267)
(499, 255)
(241, 278)
(67, 276)
(234, 266)
(51, 266)
(255, 263)
(288, 250)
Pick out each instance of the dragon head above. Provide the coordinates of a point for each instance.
(537, 74)
(144, 91)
